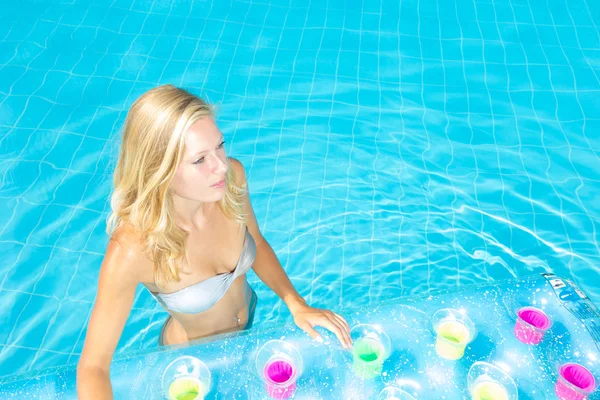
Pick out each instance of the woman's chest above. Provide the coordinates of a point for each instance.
(209, 252)
(214, 253)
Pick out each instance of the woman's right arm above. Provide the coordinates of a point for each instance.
(116, 290)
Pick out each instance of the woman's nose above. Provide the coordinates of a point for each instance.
(219, 165)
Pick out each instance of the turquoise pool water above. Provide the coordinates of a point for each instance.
(392, 148)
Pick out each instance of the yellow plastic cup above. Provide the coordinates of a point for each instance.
(452, 339)
(488, 382)
(454, 332)
(186, 378)
(489, 390)
(186, 388)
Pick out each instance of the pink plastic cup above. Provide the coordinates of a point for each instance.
(531, 325)
(280, 379)
(575, 382)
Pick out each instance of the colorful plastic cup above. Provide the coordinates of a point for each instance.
(368, 356)
(489, 391)
(454, 332)
(186, 378)
(531, 325)
(280, 378)
(279, 364)
(186, 389)
(488, 382)
(371, 347)
(575, 382)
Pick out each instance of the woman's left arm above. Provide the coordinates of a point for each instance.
(269, 270)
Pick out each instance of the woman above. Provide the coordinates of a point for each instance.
(183, 226)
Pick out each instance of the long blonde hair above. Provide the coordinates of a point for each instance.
(152, 146)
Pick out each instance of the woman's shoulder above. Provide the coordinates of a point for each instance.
(127, 238)
(238, 169)
(126, 254)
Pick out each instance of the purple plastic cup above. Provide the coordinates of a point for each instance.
(575, 382)
(280, 379)
(531, 325)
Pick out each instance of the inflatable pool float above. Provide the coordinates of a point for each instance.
(535, 337)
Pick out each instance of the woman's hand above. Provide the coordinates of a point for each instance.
(307, 318)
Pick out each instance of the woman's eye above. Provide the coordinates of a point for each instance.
(201, 159)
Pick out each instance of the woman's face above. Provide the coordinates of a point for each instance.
(200, 175)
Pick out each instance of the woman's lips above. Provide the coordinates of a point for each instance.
(219, 184)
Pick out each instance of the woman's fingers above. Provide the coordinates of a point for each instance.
(346, 327)
(336, 327)
(308, 328)
(311, 317)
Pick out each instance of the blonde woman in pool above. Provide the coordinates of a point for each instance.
(183, 226)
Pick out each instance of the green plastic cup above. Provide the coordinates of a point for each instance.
(368, 357)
